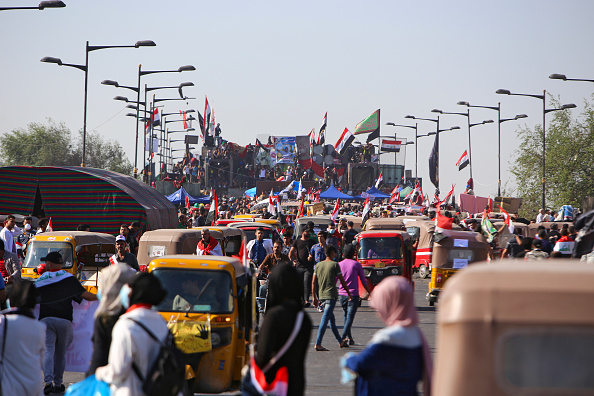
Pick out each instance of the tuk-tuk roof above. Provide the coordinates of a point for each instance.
(383, 234)
(251, 224)
(533, 227)
(390, 223)
(226, 231)
(80, 237)
(176, 234)
(184, 259)
(559, 291)
(459, 240)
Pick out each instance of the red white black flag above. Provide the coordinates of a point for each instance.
(322, 134)
(463, 161)
(344, 141)
(391, 145)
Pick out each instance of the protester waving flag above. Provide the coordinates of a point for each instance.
(335, 211)
(379, 180)
(271, 205)
(463, 161)
(213, 212)
(489, 231)
(507, 220)
(300, 212)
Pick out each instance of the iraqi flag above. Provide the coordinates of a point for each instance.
(379, 180)
(463, 161)
(312, 137)
(390, 145)
(395, 194)
(50, 226)
(335, 211)
(201, 123)
(206, 121)
(300, 190)
(322, 134)
(156, 118)
(300, 212)
(442, 222)
(445, 200)
(507, 220)
(271, 204)
(344, 141)
(213, 212)
(57, 286)
(187, 201)
(184, 118)
(366, 211)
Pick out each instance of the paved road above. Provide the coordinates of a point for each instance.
(323, 373)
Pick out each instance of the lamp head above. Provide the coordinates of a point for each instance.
(186, 68)
(145, 43)
(503, 92)
(520, 116)
(558, 77)
(122, 98)
(487, 121)
(390, 123)
(463, 103)
(454, 127)
(49, 59)
(568, 106)
(131, 106)
(437, 111)
(51, 4)
(186, 84)
(410, 116)
(110, 82)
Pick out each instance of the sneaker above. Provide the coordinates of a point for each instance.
(351, 342)
(59, 389)
(320, 309)
(49, 388)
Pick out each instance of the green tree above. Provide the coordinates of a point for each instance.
(568, 160)
(38, 145)
(51, 144)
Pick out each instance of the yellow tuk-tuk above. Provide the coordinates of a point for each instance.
(84, 254)
(386, 223)
(209, 307)
(452, 251)
(506, 329)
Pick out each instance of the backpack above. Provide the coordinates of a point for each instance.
(166, 376)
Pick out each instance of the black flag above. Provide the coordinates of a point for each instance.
(434, 163)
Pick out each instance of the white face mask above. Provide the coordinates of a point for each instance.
(28, 227)
(125, 296)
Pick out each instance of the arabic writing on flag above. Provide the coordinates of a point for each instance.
(391, 145)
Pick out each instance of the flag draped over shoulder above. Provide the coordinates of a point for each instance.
(344, 141)
(370, 125)
(463, 161)
(52, 286)
(434, 163)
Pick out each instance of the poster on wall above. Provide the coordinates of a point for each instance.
(303, 147)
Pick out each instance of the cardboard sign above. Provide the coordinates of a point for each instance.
(460, 263)
(460, 242)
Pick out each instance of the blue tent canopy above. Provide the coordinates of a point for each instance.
(373, 193)
(333, 193)
(179, 198)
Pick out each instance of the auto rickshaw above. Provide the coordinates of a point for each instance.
(320, 223)
(209, 308)
(506, 236)
(507, 329)
(170, 241)
(386, 223)
(421, 233)
(533, 228)
(84, 254)
(384, 253)
(357, 220)
(235, 239)
(270, 232)
(452, 251)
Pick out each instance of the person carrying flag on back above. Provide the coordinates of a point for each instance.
(208, 245)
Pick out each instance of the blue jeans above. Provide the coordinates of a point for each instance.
(262, 293)
(58, 338)
(328, 315)
(350, 309)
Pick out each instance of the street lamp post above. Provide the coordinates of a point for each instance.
(42, 6)
(437, 142)
(137, 90)
(415, 127)
(85, 68)
(564, 78)
(544, 112)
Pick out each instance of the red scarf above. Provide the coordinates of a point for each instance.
(212, 243)
(139, 305)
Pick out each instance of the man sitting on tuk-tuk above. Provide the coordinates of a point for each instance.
(208, 245)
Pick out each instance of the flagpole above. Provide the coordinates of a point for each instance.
(144, 176)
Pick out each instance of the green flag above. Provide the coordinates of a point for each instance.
(489, 231)
(369, 125)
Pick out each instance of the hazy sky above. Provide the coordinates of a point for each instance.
(276, 67)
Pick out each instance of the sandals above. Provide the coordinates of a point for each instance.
(344, 344)
(320, 348)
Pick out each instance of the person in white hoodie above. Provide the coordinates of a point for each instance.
(24, 348)
(130, 343)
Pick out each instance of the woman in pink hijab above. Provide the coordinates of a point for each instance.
(397, 357)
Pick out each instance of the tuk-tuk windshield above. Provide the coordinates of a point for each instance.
(39, 249)
(233, 245)
(184, 288)
(250, 233)
(380, 248)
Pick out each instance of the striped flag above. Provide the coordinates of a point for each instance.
(463, 161)
(335, 211)
(379, 180)
(322, 134)
(366, 211)
(507, 220)
(206, 121)
(344, 141)
(312, 137)
(395, 194)
(392, 146)
(156, 117)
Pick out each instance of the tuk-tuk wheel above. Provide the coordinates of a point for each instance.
(423, 272)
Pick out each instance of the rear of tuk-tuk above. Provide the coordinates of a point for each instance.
(84, 254)
(452, 251)
(165, 242)
(421, 233)
(383, 254)
(209, 309)
(234, 241)
(507, 329)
